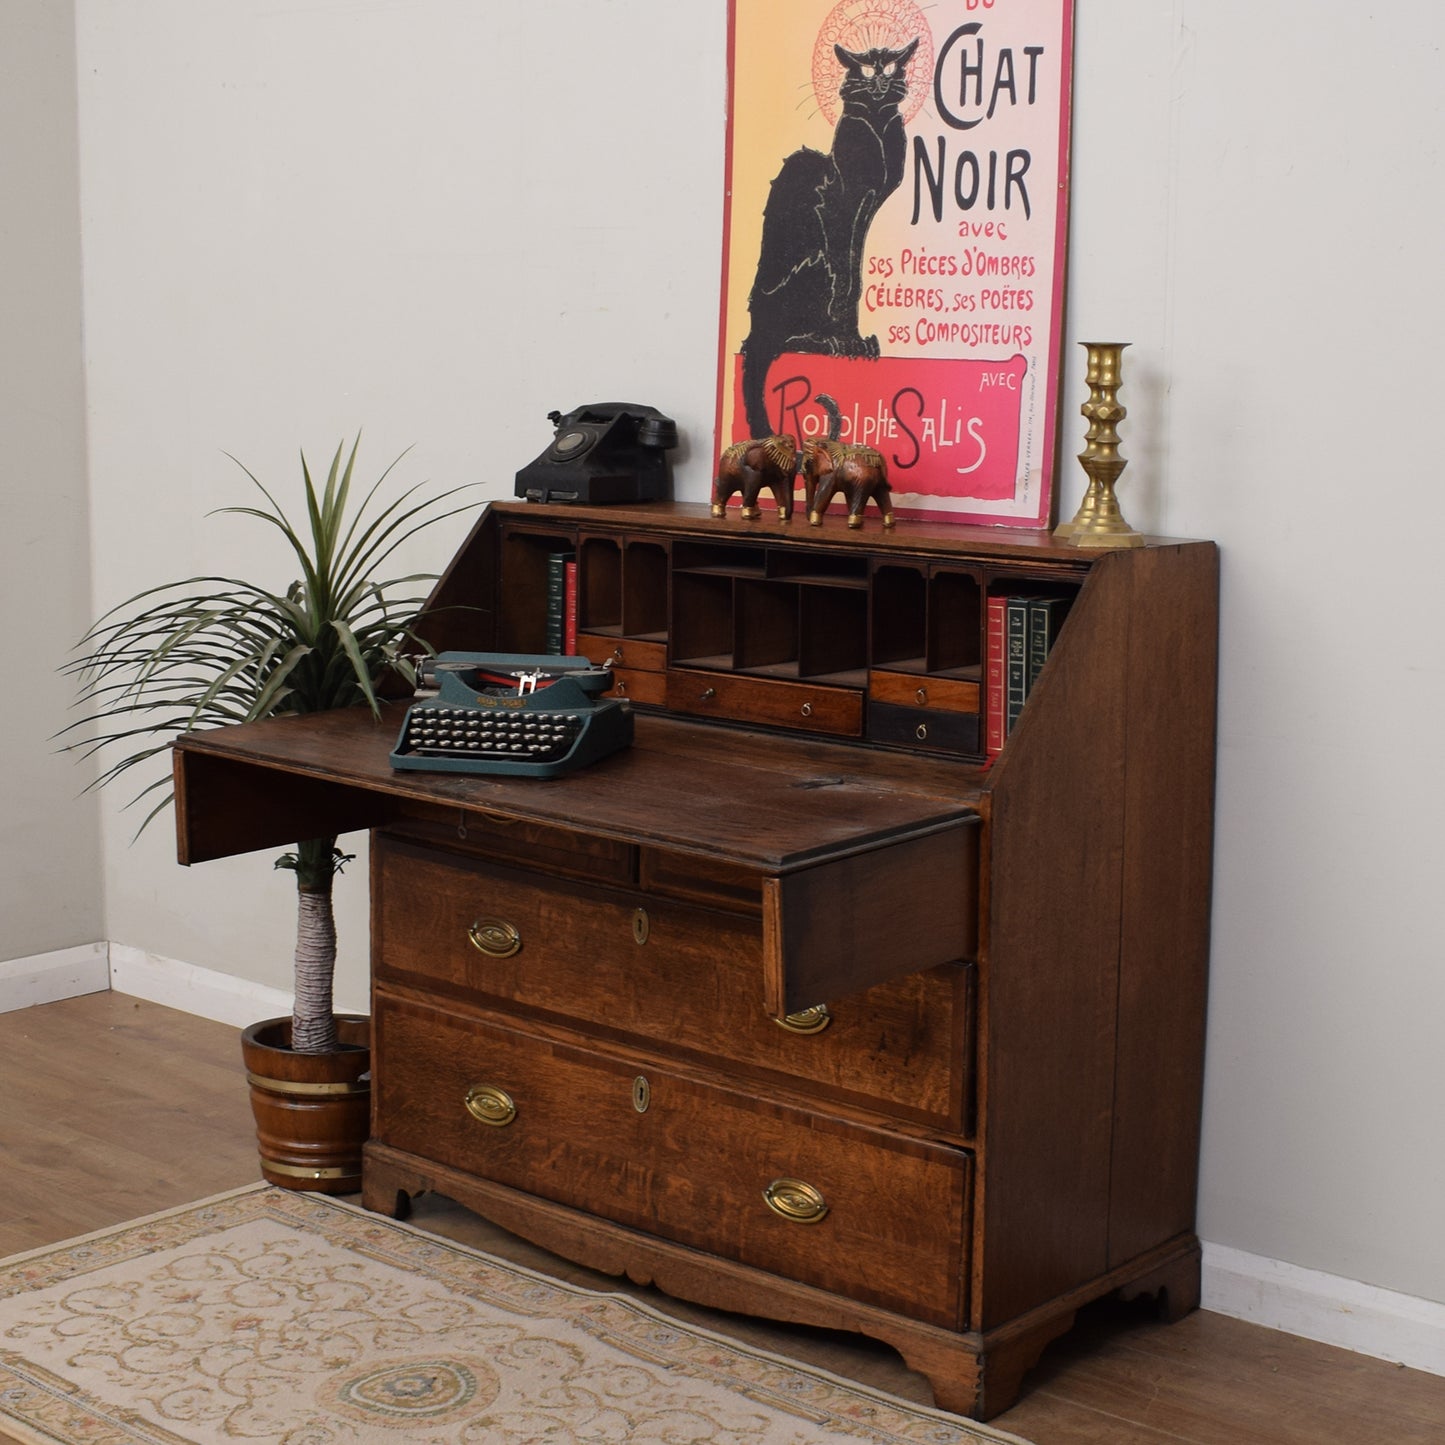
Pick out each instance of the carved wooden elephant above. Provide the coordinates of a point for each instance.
(858, 472)
(748, 467)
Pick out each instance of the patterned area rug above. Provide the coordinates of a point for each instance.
(268, 1316)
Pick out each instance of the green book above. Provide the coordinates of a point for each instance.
(1046, 616)
(557, 602)
(1016, 659)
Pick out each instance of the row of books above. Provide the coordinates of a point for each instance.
(561, 604)
(1019, 637)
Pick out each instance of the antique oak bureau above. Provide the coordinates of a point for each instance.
(796, 1007)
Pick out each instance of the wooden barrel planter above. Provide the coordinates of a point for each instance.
(312, 1111)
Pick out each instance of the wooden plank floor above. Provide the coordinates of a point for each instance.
(111, 1108)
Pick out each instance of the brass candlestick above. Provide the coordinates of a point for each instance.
(1099, 522)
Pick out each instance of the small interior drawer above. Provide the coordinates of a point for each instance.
(805, 706)
(666, 975)
(622, 652)
(857, 1212)
(647, 688)
(925, 729)
(911, 689)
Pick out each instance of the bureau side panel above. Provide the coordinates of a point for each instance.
(1049, 966)
(460, 614)
(1168, 856)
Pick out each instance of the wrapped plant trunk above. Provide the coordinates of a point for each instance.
(313, 1022)
(313, 1026)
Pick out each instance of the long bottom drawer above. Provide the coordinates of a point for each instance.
(806, 1196)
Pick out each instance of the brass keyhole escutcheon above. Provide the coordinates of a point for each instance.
(641, 925)
(795, 1201)
(641, 1094)
(495, 937)
(807, 1021)
(488, 1104)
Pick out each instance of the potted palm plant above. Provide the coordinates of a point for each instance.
(211, 651)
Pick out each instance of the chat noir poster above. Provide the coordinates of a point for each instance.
(895, 240)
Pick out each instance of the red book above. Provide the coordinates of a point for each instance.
(569, 609)
(995, 669)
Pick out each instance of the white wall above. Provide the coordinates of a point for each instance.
(438, 220)
(50, 883)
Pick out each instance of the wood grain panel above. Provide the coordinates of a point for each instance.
(693, 989)
(1168, 861)
(842, 926)
(1049, 973)
(895, 1221)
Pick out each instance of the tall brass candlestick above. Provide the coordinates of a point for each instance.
(1099, 522)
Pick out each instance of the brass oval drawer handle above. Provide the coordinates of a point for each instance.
(807, 709)
(495, 938)
(807, 1021)
(795, 1201)
(921, 732)
(488, 1104)
(922, 696)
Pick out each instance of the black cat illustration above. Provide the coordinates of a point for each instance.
(809, 278)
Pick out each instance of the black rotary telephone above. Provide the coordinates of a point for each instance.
(611, 451)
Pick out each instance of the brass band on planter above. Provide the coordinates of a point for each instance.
(795, 1201)
(488, 1104)
(808, 1021)
(288, 1086)
(495, 937)
(306, 1171)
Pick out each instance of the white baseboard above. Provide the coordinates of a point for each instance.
(1325, 1307)
(201, 991)
(49, 977)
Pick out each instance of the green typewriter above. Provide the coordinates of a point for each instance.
(516, 714)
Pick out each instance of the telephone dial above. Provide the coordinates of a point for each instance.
(612, 451)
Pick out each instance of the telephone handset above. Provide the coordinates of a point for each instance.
(610, 451)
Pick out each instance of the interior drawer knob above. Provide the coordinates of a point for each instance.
(488, 1104)
(495, 938)
(795, 1201)
(809, 1020)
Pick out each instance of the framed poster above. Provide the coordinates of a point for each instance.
(894, 241)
